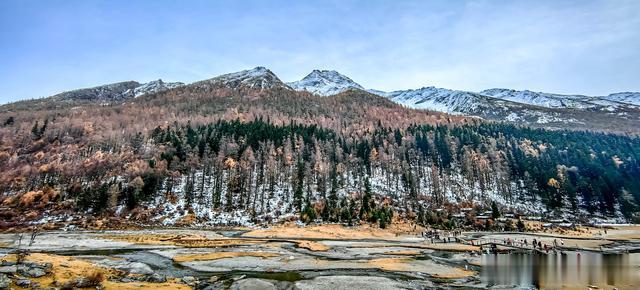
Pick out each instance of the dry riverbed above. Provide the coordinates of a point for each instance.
(280, 257)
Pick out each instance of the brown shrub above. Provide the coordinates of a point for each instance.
(9, 200)
(27, 199)
(44, 168)
(172, 198)
(4, 156)
(39, 155)
(49, 194)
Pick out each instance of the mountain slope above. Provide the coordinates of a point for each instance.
(325, 83)
(616, 112)
(525, 107)
(154, 87)
(625, 97)
(557, 100)
(104, 93)
(437, 99)
(258, 78)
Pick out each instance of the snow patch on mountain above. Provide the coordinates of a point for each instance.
(625, 97)
(325, 83)
(549, 100)
(256, 78)
(437, 99)
(104, 93)
(538, 99)
(116, 92)
(153, 87)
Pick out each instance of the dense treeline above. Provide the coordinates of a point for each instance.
(269, 170)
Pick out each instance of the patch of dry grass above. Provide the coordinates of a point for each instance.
(312, 245)
(67, 269)
(181, 240)
(169, 285)
(395, 231)
(391, 264)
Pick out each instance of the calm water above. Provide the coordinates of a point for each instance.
(557, 271)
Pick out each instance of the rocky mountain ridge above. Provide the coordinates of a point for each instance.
(619, 112)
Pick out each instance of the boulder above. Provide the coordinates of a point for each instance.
(215, 286)
(5, 282)
(83, 282)
(24, 283)
(253, 283)
(189, 280)
(128, 267)
(156, 278)
(34, 272)
(9, 269)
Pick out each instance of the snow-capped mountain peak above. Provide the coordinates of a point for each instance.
(325, 83)
(256, 78)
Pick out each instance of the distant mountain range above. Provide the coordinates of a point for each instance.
(618, 110)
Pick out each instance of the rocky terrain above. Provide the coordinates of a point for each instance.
(282, 257)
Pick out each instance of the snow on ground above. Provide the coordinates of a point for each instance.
(278, 206)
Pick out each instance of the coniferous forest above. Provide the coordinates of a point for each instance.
(240, 156)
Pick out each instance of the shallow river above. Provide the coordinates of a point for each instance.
(557, 271)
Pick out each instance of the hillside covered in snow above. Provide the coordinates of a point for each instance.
(325, 83)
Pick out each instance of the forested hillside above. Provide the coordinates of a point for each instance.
(214, 153)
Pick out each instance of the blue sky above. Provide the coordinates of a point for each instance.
(587, 47)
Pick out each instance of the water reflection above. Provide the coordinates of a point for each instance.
(555, 271)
